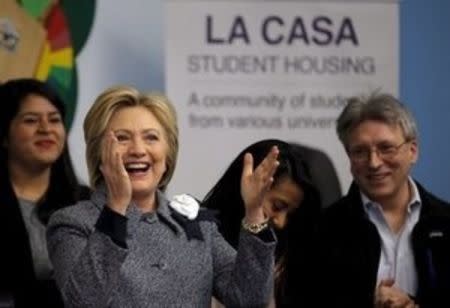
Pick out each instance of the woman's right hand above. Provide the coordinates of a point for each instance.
(116, 177)
(255, 182)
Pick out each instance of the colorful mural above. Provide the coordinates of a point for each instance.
(67, 24)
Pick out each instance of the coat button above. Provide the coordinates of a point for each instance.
(162, 265)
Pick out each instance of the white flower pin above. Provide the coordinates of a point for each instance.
(185, 205)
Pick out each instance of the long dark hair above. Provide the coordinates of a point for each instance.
(64, 188)
(225, 197)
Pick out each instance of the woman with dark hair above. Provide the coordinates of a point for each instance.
(36, 179)
(292, 206)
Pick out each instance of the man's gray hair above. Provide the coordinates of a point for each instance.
(379, 107)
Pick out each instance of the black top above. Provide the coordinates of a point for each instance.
(18, 283)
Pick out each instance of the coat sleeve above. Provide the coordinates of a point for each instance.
(243, 278)
(86, 261)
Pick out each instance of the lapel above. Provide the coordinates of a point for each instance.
(16, 257)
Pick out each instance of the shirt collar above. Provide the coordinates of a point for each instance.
(414, 203)
(164, 211)
(99, 198)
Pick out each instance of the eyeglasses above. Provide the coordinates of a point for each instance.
(386, 151)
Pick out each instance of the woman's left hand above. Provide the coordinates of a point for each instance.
(255, 183)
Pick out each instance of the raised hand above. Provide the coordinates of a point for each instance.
(255, 183)
(116, 177)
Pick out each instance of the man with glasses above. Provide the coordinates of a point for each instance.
(387, 242)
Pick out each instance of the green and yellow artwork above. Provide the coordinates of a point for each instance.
(67, 24)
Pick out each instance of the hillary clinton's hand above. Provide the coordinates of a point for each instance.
(116, 177)
(255, 183)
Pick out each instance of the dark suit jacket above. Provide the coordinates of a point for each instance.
(18, 283)
(351, 247)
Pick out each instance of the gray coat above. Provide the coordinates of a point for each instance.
(159, 266)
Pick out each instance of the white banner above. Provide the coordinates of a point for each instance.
(243, 71)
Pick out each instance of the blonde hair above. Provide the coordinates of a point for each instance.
(118, 97)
